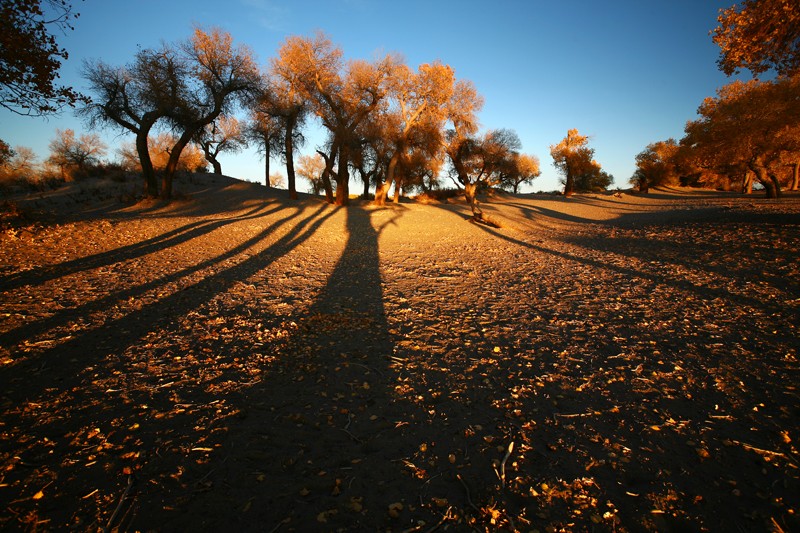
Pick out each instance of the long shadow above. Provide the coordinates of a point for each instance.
(682, 284)
(138, 249)
(703, 256)
(126, 376)
(29, 331)
(116, 335)
(323, 463)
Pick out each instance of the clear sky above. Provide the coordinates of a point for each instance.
(624, 72)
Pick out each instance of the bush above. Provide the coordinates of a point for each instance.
(438, 195)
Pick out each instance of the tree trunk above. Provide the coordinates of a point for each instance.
(343, 177)
(776, 185)
(471, 195)
(267, 184)
(771, 185)
(796, 176)
(326, 174)
(150, 181)
(212, 157)
(172, 163)
(366, 178)
(398, 190)
(569, 184)
(747, 183)
(291, 119)
(382, 188)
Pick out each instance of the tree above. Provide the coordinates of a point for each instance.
(572, 157)
(479, 163)
(264, 131)
(17, 165)
(418, 101)
(30, 56)
(524, 168)
(311, 167)
(221, 76)
(189, 86)
(460, 140)
(593, 178)
(419, 167)
(223, 135)
(287, 110)
(759, 35)
(75, 156)
(656, 165)
(342, 98)
(748, 126)
(135, 98)
(277, 180)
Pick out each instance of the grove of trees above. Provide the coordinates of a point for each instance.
(387, 124)
(751, 129)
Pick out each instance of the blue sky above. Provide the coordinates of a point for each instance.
(624, 72)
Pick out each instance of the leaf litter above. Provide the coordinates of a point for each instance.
(281, 366)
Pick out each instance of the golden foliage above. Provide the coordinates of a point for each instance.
(759, 35)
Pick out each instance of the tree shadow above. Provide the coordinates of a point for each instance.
(324, 425)
(138, 249)
(32, 330)
(599, 362)
(147, 383)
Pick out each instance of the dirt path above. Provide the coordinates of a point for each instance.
(237, 360)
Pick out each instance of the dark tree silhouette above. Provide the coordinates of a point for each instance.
(30, 56)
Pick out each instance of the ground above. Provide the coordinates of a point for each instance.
(235, 359)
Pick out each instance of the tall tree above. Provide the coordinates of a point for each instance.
(759, 35)
(190, 86)
(284, 104)
(417, 100)
(30, 56)
(341, 97)
(265, 132)
(221, 77)
(460, 140)
(135, 97)
(572, 157)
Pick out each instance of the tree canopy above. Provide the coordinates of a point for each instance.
(759, 35)
(574, 159)
(185, 86)
(748, 126)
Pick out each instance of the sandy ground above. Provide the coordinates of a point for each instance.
(238, 360)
